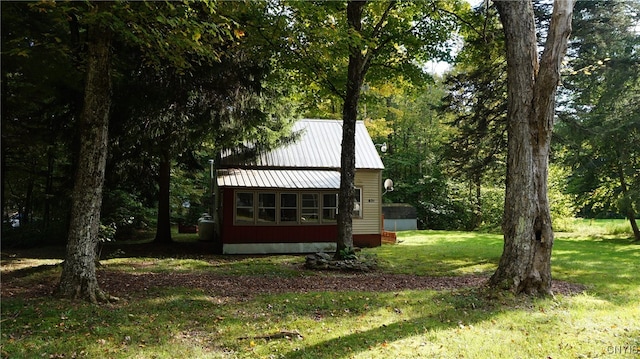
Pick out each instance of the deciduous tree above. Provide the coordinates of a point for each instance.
(78, 279)
(525, 265)
(152, 28)
(333, 47)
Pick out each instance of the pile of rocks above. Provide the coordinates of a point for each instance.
(325, 261)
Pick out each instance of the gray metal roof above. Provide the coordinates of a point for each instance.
(318, 146)
(296, 179)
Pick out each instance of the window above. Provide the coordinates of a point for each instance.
(310, 208)
(329, 207)
(244, 207)
(357, 203)
(267, 207)
(289, 207)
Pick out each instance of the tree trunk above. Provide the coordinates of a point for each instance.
(525, 265)
(163, 227)
(634, 225)
(3, 145)
(355, 78)
(476, 186)
(48, 190)
(78, 280)
(628, 210)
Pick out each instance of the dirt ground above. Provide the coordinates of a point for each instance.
(120, 284)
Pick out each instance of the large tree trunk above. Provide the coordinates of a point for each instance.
(628, 206)
(525, 265)
(78, 280)
(3, 145)
(163, 227)
(355, 78)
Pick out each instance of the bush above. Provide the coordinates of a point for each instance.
(124, 212)
(33, 234)
(492, 209)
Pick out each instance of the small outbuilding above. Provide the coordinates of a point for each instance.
(285, 200)
(399, 217)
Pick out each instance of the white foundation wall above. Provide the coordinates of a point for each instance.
(278, 248)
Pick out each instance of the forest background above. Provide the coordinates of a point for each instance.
(266, 64)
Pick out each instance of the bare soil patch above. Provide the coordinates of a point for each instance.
(239, 287)
(125, 285)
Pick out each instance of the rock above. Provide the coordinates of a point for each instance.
(324, 261)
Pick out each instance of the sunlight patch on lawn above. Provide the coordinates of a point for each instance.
(23, 263)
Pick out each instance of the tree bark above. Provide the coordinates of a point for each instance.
(163, 227)
(78, 279)
(355, 78)
(628, 210)
(3, 145)
(525, 265)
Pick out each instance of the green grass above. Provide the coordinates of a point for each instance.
(169, 322)
(618, 228)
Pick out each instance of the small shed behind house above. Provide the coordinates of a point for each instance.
(399, 217)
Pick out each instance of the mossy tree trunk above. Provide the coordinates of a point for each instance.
(78, 279)
(525, 265)
(355, 78)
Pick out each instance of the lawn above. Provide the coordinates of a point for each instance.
(221, 317)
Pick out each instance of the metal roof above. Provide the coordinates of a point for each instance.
(318, 146)
(297, 179)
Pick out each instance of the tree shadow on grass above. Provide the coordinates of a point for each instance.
(28, 271)
(456, 306)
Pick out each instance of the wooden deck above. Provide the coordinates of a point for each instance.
(389, 237)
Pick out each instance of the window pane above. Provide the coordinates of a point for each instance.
(244, 199)
(310, 200)
(289, 200)
(244, 207)
(329, 207)
(244, 215)
(330, 200)
(267, 207)
(289, 207)
(310, 208)
(310, 215)
(267, 200)
(267, 215)
(289, 215)
(357, 205)
(329, 215)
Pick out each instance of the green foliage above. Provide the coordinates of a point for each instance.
(314, 43)
(403, 116)
(599, 131)
(106, 234)
(347, 253)
(476, 103)
(180, 70)
(492, 209)
(562, 204)
(40, 98)
(183, 34)
(124, 213)
(34, 234)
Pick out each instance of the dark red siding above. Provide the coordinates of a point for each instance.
(232, 233)
(367, 240)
